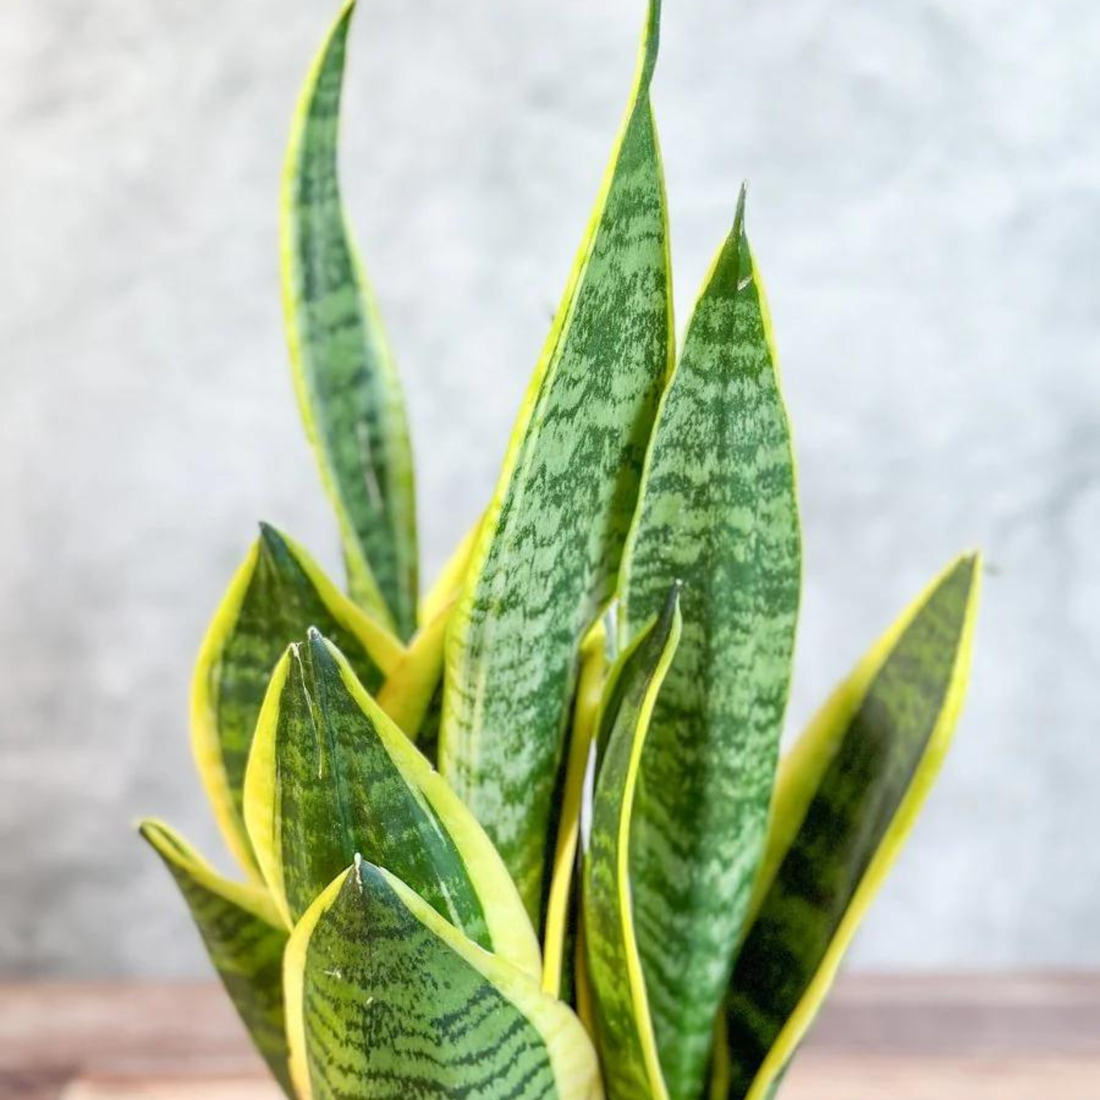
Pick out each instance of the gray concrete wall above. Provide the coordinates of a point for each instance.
(925, 203)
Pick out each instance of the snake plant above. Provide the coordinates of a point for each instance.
(529, 834)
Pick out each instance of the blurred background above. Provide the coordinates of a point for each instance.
(924, 203)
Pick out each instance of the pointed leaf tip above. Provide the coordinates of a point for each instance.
(672, 604)
(340, 25)
(738, 242)
(272, 540)
(511, 651)
(241, 932)
(739, 213)
(651, 42)
(344, 376)
(847, 796)
(706, 773)
(276, 593)
(330, 776)
(436, 996)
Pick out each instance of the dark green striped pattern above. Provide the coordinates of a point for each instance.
(280, 604)
(624, 1026)
(870, 773)
(339, 791)
(246, 950)
(548, 555)
(392, 1012)
(718, 512)
(347, 386)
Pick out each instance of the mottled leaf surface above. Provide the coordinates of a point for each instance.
(243, 937)
(331, 776)
(348, 390)
(547, 556)
(624, 1028)
(718, 512)
(276, 595)
(387, 1001)
(869, 763)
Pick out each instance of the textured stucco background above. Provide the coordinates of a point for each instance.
(925, 203)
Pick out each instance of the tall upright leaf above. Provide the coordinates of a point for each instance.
(244, 939)
(547, 555)
(275, 596)
(347, 386)
(718, 512)
(624, 1026)
(385, 999)
(331, 776)
(849, 795)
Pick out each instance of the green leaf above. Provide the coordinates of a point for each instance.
(243, 937)
(848, 796)
(347, 386)
(275, 596)
(547, 556)
(386, 999)
(718, 511)
(628, 1051)
(558, 943)
(615, 686)
(330, 775)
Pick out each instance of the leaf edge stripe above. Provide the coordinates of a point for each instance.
(923, 778)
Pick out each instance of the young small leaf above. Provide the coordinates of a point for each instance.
(330, 775)
(718, 511)
(243, 937)
(624, 1028)
(347, 386)
(849, 795)
(276, 595)
(386, 999)
(547, 556)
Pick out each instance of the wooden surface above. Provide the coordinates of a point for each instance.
(957, 1038)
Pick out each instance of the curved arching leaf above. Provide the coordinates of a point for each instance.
(614, 689)
(624, 1027)
(348, 391)
(275, 596)
(385, 1000)
(850, 794)
(547, 556)
(331, 775)
(557, 940)
(718, 511)
(244, 939)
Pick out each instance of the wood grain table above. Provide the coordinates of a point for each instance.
(882, 1038)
